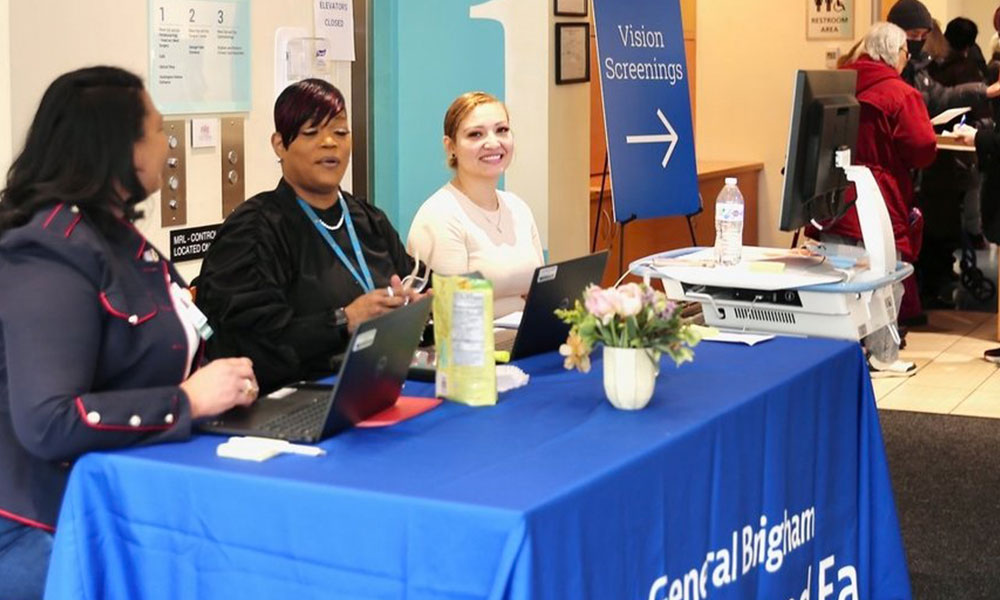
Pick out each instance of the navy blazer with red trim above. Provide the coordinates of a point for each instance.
(91, 354)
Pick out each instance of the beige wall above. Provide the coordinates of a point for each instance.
(5, 141)
(550, 171)
(114, 32)
(746, 64)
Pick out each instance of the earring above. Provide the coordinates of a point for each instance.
(279, 161)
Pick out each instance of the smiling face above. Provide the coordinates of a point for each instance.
(483, 144)
(315, 161)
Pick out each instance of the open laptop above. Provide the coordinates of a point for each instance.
(370, 378)
(553, 286)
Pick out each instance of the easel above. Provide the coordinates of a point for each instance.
(621, 224)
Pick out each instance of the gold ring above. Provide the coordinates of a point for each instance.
(249, 388)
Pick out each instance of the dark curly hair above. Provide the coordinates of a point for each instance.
(79, 150)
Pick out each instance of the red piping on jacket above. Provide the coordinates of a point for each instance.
(26, 521)
(72, 226)
(51, 216)
(80, 408)
(142, 246)
(120, 314)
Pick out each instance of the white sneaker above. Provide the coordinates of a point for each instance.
(899, 368)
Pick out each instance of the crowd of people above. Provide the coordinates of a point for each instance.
(938, 200)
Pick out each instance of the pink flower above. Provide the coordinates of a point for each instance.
(600, 303)
(629, 300)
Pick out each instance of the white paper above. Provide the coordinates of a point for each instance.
(798, 272)
(511, 321)
(334, 20)
(949, 114)
(734, 337)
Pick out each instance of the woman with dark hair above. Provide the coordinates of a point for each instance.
(292, 272)
(99, 346)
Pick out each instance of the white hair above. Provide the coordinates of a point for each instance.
(883, 42)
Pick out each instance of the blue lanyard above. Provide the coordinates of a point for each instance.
(366, 284)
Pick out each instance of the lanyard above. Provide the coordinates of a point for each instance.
(366, 284)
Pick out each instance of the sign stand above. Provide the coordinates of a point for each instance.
(647, 113)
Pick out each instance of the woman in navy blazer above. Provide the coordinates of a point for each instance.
(99, 343)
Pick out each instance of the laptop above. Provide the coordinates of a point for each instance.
(553, 286)
(370, 378)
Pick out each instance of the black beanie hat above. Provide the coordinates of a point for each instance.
(910, 14)
(961, 33)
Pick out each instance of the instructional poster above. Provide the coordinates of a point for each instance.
(199, 52)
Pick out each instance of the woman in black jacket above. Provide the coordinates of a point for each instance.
(293, 271)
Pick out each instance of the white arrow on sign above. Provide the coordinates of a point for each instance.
(671, 137)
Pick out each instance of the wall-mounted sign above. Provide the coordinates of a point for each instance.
(829, 19)
(192, 243)
(334, 20)
(199, 55)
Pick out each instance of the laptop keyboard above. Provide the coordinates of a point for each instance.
(305, 419)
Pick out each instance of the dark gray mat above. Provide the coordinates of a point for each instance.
(946, 476)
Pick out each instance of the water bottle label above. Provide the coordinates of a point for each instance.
(728, 212)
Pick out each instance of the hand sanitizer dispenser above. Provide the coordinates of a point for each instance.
(298, 56)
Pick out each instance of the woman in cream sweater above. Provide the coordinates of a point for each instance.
(470, 225)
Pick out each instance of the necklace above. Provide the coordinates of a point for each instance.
(482, 211)
(332, 227)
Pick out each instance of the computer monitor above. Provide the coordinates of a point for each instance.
(824, 119)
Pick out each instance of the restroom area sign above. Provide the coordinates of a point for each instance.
(829, 19)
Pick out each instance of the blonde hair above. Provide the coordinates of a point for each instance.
(459, 109)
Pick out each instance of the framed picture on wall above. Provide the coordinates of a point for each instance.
(572, 52)
(571, 8)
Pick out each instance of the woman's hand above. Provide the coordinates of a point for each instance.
(221, 385)
(378, 302)
(965, 134)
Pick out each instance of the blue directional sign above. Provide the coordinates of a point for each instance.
(647, 109)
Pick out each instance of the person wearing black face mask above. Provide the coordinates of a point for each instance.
(914, 18)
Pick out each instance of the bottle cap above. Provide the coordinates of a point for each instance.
(730, 181)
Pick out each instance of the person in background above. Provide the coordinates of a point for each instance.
(894, 137)
(293, 271)
(98, 344)
(949, 195)
(470, 225)
(914, 18)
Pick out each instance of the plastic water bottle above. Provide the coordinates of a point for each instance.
(729, 224)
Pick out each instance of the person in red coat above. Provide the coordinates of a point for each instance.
(894, 138)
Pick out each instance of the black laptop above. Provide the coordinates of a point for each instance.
(553, 286)
(370, 378)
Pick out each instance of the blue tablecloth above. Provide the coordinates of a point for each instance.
(754, 473)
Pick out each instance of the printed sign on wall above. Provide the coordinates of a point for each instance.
(829, 19)
(199, 55)
(647, 109)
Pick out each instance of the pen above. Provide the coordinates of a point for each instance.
(962, 122)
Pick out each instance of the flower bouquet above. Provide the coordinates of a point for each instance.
(636, 324)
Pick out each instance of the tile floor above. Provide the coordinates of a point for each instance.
(952, 377)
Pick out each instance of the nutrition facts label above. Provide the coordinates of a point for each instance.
(199, 55)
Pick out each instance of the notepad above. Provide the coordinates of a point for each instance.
(949, 114)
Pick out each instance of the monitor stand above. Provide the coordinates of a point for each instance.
(743, 298)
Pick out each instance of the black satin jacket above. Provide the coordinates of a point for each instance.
(270, 284)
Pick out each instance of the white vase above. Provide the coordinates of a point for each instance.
(629, 376)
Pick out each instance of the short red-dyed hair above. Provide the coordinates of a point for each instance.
(311, 101)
